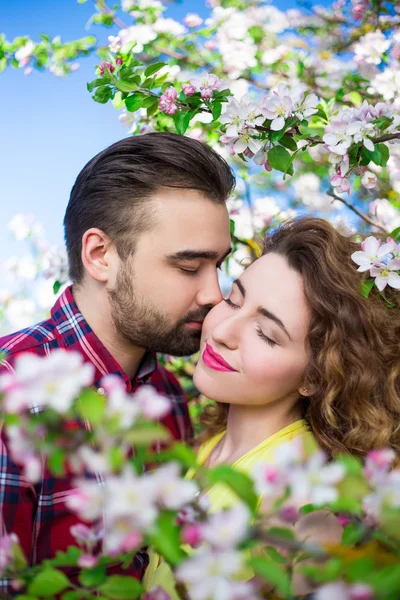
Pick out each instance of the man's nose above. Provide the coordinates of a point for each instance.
(210, 293)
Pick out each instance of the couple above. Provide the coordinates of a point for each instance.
(295, 350)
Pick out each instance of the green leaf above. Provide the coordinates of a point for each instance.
(375, 156)
(71, 595)
(103, 94)
(282, 532)
(56, 287)
(358, 569)
(352, 534)
(97, 83)
(165, 537)
(92, 577)
(127, 85)
(182, 120)
(119, 587)
(273, 573)
(92, 406)
(67, 559)
(232, 227)
(385, 581)
(151, 69)
(48, 583)
(56, 462)
(216, 110)
(383, 122)
(352, 464)
(275, 555)
(395, 234)
(25, 597)
(150, 101)
(385, 154)
(288, 142)
(239, 482)
(184, 454)
(277, 135)
(279, 158)
(366, 287)
(355, 98)
(134, 102)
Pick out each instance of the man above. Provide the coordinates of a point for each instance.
(146, 228)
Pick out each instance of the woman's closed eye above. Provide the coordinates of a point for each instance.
(259, 332)
(230, 303)
(265, 338)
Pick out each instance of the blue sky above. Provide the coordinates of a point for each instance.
(50, 127)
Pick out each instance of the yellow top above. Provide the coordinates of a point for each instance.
(220, 496)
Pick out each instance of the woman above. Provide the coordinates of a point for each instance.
(297, 351)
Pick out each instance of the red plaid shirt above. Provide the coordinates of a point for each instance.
(37, 513)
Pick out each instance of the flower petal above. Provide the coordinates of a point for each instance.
(277, 124)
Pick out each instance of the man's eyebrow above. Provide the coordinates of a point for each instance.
(263, 311)
(196, 254)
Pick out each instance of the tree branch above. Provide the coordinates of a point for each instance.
(358, 212)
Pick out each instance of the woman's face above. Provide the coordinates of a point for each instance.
(253, 342)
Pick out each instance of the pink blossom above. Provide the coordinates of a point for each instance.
(193, 20)
(342, 184)
(114, 43)
(206, 93)
(192, 535)
(343, 520)
(369, 180)
(207, 83)
(133, 540)
(289, 513)
(188, 89)
(167, 101)
(361, 591)
(105, 67)
(210, 45)
(87, 561)
(157, 593)
(372, 252)
(119, 61)
(152, 404)
(387, 275)
(8, 546)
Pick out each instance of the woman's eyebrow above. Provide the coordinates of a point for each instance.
(263, 311)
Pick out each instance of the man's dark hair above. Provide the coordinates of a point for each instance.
(112, 190)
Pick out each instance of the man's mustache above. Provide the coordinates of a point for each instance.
(197, 315)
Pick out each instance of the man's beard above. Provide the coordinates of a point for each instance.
(141, 324)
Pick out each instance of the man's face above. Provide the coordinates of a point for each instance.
(162, 293)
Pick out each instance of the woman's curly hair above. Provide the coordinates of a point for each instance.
(354, 372)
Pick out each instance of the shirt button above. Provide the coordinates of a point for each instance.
(101, 391)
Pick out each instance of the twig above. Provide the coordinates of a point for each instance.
(358, 212)
(386, 138)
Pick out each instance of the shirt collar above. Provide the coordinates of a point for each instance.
(71, 324)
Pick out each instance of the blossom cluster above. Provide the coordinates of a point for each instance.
(38, 387)
(381, 260)
(245, 120)
(353, 129)
(132, 510)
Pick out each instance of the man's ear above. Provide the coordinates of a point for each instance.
(98, 254)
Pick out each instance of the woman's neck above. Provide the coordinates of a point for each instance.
(248, 426)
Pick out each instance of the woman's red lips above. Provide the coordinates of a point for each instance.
(214, 360)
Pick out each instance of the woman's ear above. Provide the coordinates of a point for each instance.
(307, 390)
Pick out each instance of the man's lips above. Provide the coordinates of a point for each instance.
(195, 324)
(215, 361)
